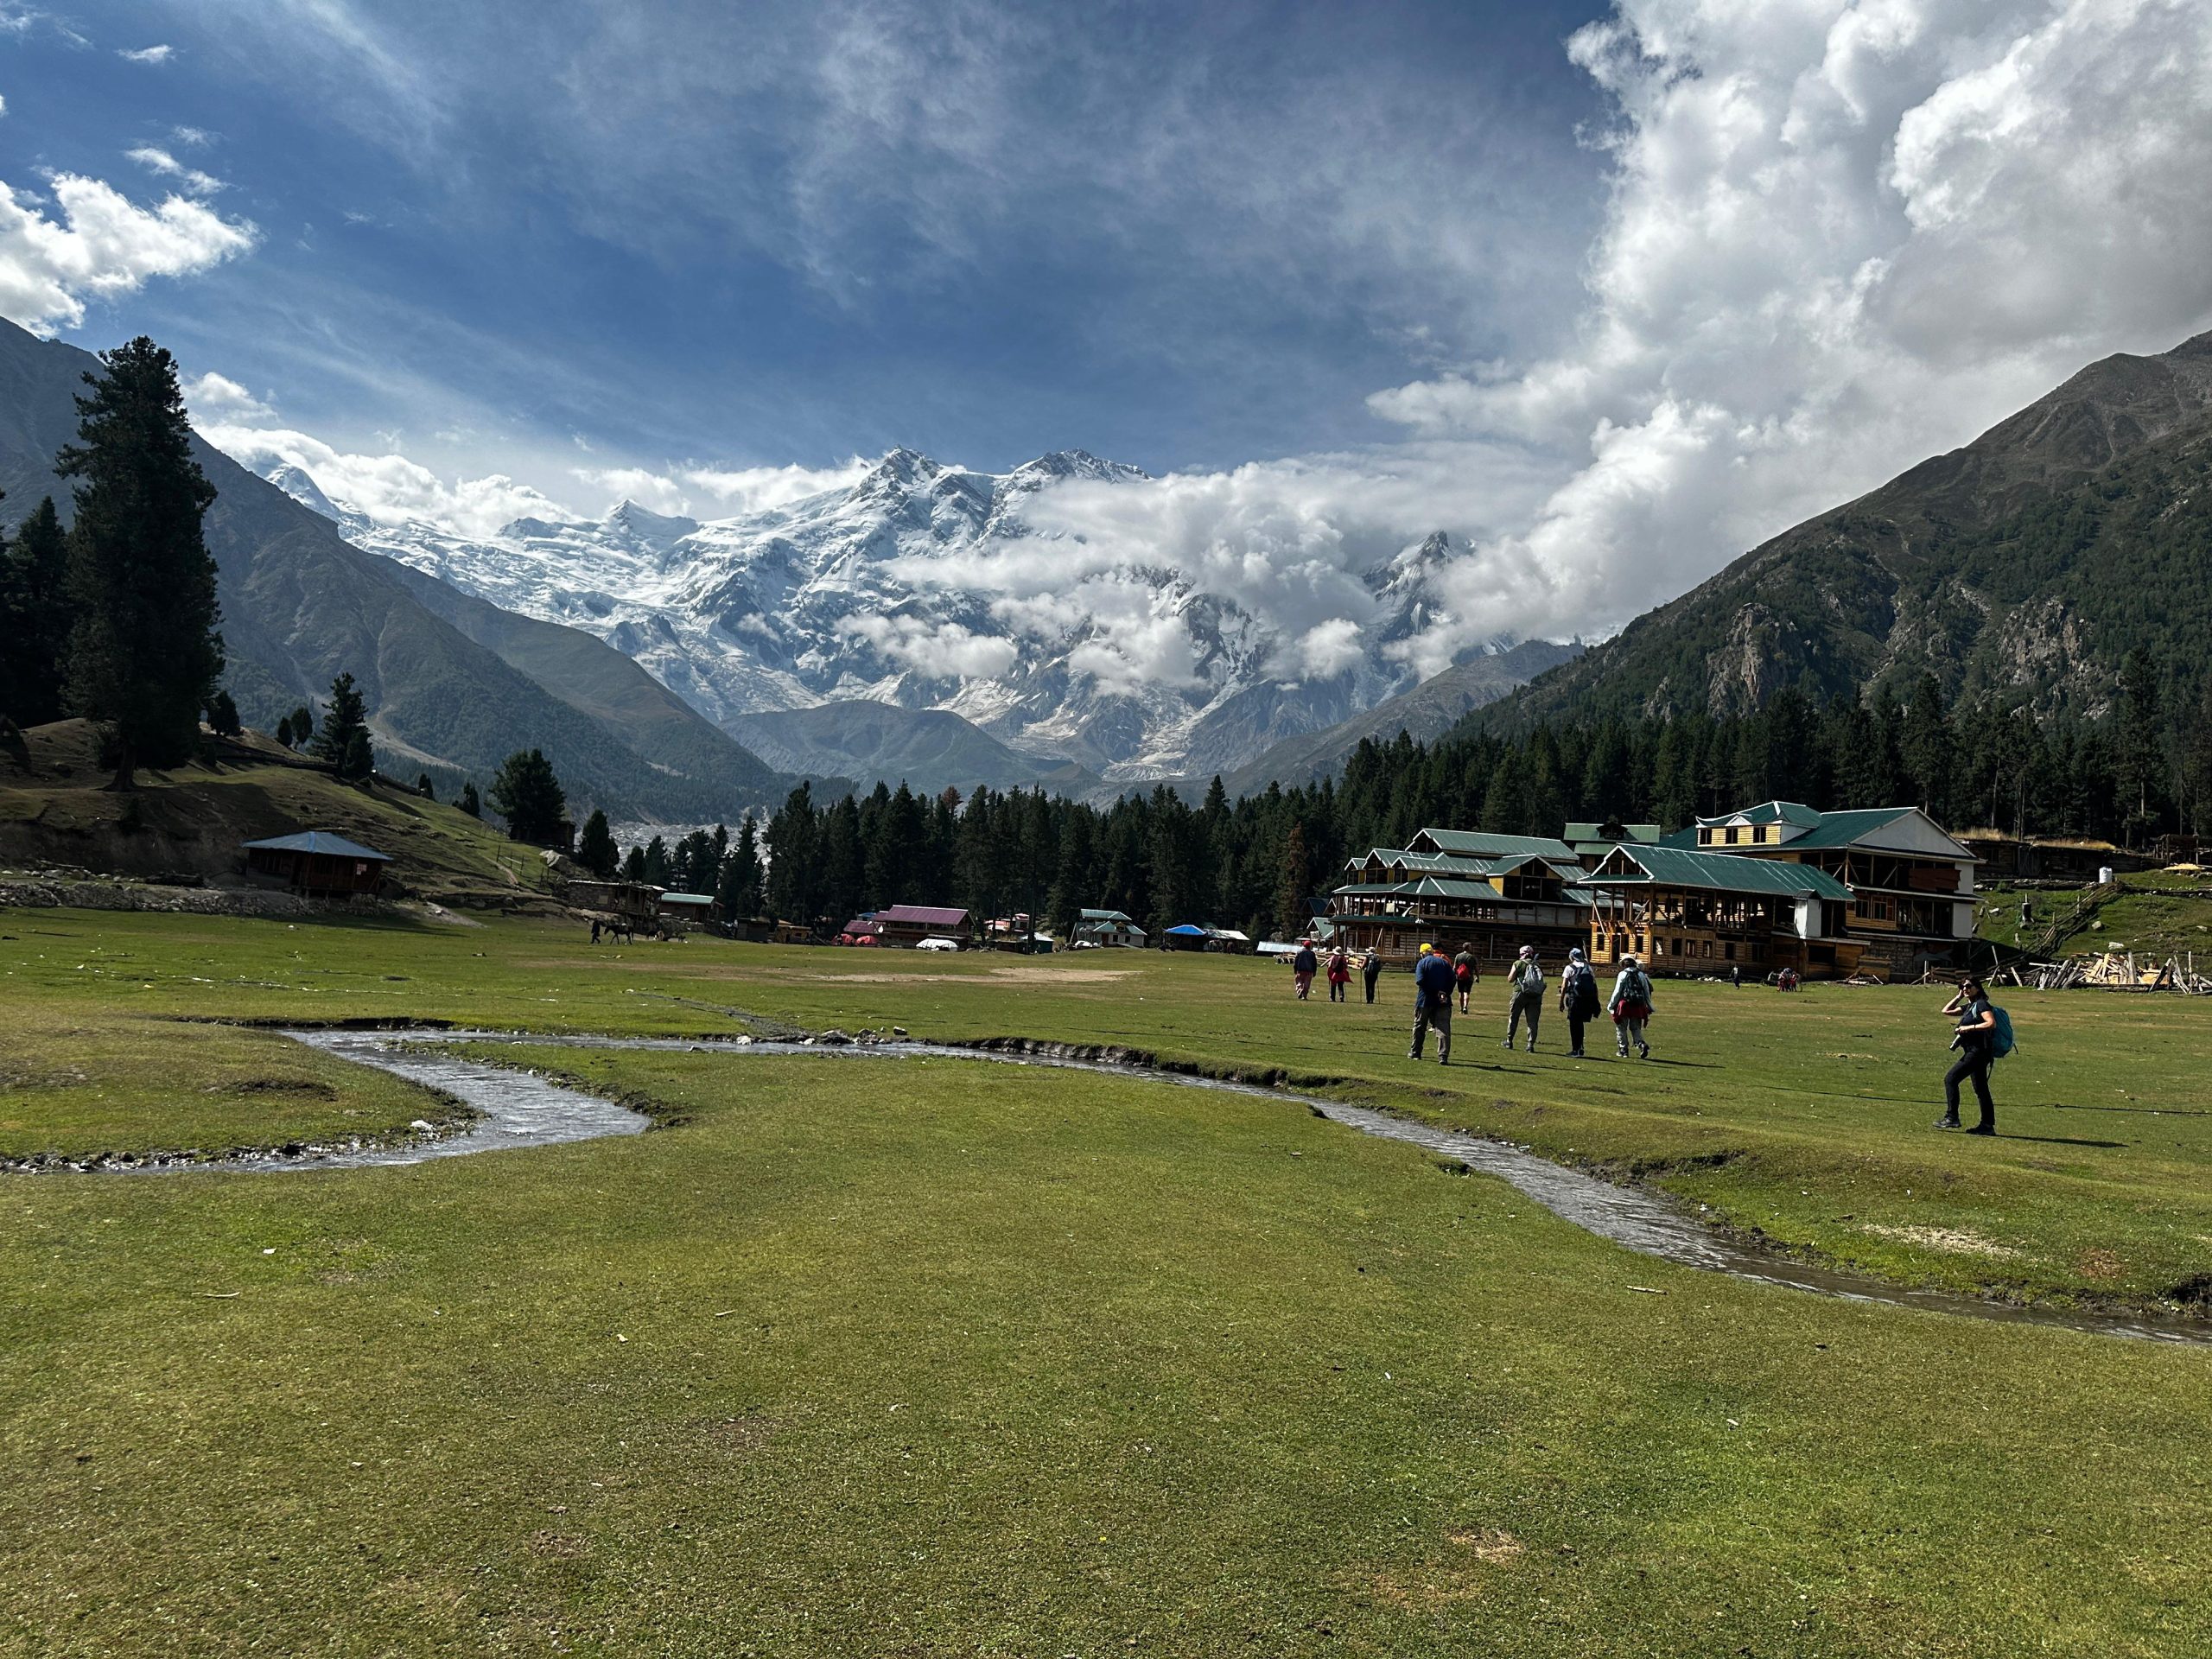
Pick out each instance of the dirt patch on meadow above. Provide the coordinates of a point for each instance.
(1955, 1240)
(1462, 1577)
(1022, 974)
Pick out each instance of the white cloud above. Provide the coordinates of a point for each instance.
(219, 397)
(160, 161)
(390, 488)
(744, 490)
(940, 652)
(193, 137)
(147, 54)
(647, 488)
(101, 246)
(1842, 237)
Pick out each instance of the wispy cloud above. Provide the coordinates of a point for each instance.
(157, 160)
(147, 54)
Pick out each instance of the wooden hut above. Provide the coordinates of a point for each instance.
(317, 864)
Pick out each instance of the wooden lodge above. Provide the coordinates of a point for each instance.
(909, 924)
(316, 864)
(1912, 885)
(1681, 912)
(635, 904)
(1108, 927)
(679, 912)
(1450, 888)
(1884, 892)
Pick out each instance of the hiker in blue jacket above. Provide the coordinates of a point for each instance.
(1433, 1003)
(1975, 1039)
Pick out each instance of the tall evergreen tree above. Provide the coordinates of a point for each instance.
(1293, 891)
(792, 884)
(595, 849)
(2140, 741)
(344, 736)
(223, 714)
(36, 618)
(143, 654)
(738, 889)
(303, 726)
(529, 797)
(467, 801)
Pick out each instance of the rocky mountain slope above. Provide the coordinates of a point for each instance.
(2025, 563)
(452, 687)
(894, 592)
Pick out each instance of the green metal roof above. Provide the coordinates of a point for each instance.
(1674, 866)
(1475, 843)
(1843, 828)
(1432, 886)
(1773, 812)
(1644, 834)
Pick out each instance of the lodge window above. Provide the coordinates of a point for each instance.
(1704, 838)
(1732, 833)
(1758, 834)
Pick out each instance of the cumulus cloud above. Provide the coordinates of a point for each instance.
(101, 244)
(939, 651)
(147, 54)
(647, 488)
(389, 488)
(1842, 237)
(160, 161)
(214, 397)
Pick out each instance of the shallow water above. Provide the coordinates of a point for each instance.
(521, 1110)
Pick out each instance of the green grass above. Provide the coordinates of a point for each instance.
(1804, 1119)
(78, 1083)
(933, 1359)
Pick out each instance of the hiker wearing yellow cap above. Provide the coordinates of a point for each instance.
(1432, 1004)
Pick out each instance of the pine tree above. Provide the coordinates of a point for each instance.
(738, 889)
(223, 714)
(634, 866)
(36, 617)
(423, 786)
(144, 654)
(792, 877)
(467, 802)
(343, 740)
(360, 762)
(2198, 766)
(303, 726)
(595, 849)
(2141, 745)
(284, 730)
(529, 796)
(1292, 891)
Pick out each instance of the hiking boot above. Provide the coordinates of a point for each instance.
(1644, 1049)
(1507, 1043)
(1414, 1054)
(1983, 1129)
(1946, 1122)
(1532, 1045)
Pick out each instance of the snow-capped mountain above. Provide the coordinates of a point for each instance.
(929, 588)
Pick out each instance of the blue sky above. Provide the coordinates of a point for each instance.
(1609, 292)
(1181, 236)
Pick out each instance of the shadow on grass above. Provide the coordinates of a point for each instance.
(2145, 1112)
(2057, 1140)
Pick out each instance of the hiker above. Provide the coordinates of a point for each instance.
(1431, 1003)
(1370, 969)
(1302, 966)
(1465, 974)
(1526, 979)
(1630, 1007)
(1578, 1001)
(1339, 975)
(594, 929)
(1976, 1042)
(1736, 975)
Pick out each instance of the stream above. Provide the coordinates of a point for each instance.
(521, 1110)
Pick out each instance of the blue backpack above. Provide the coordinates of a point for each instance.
(2000, 1038)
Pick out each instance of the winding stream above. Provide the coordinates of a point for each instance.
(521, 1110)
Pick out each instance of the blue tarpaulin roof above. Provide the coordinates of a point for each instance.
(1188, 932)
(318, 841)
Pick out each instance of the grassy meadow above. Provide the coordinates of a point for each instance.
(945, 1358)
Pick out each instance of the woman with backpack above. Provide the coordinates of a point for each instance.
(1578, 1001)
(1630, 1005)
(1465, 973)
(1976, 1042)
(1339, 975)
